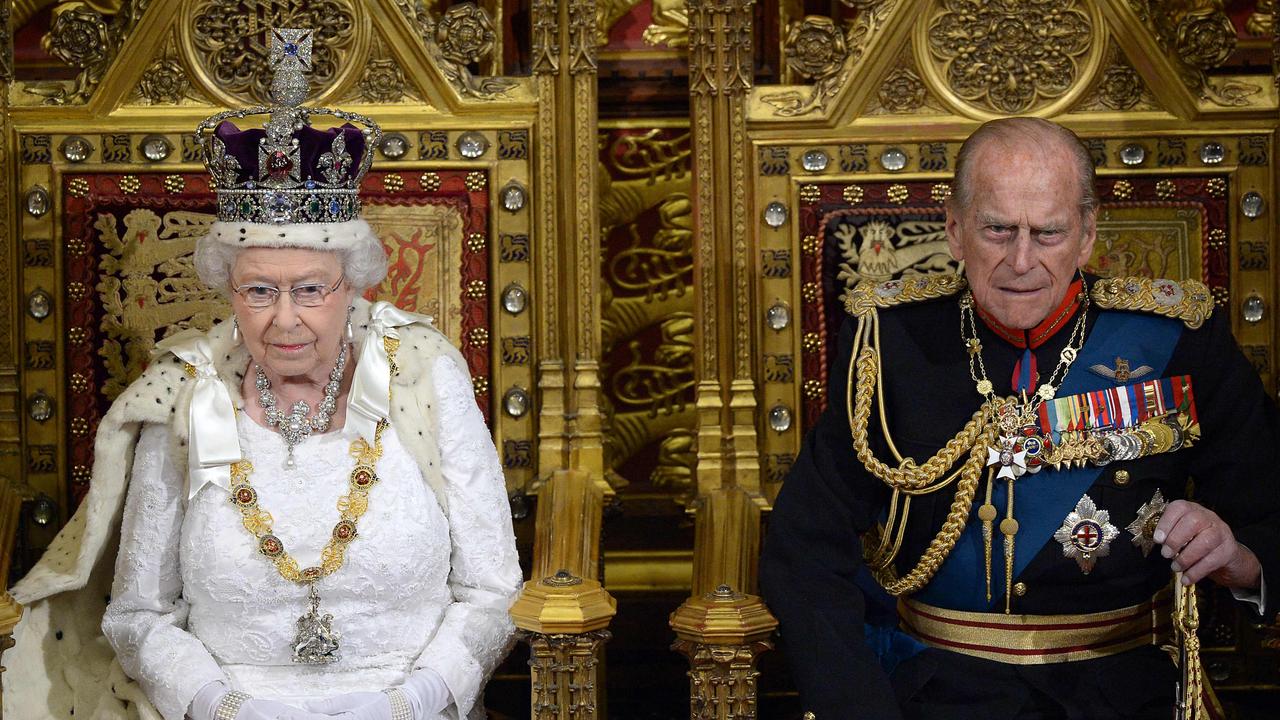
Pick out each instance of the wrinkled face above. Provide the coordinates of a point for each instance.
(1023, 236)
(286, 339)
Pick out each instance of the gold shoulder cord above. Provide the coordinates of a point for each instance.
(908, 479)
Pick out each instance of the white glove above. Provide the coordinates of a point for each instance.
(427, 694)
(207, 700)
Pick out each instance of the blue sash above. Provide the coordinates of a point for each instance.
(1043, 499)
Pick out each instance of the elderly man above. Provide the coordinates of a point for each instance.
(1023, 437)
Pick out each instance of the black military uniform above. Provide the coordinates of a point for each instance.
(813, 552)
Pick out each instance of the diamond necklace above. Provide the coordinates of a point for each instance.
(296, 426)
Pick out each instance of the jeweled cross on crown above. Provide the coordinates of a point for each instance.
(290, 58)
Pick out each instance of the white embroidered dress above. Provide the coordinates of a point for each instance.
(193, 601)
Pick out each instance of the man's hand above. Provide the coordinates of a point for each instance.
(1203, 546)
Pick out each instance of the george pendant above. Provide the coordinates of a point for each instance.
(316, 642)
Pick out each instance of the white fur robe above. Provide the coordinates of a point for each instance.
(61, 660)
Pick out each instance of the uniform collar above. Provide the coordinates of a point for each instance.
(1040, 334)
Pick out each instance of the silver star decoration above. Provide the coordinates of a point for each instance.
(1086, 534)
(1143, 527)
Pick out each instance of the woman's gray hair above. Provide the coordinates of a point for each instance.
(1040, 132)
(364, 261)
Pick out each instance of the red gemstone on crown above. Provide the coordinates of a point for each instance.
(278, 165)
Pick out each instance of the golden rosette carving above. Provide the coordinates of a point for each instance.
(1010, 57)
(1121, 87)
(236, 60)
(78, 36)
(1205, 39)
(383, 81)
(164, 82)
(815, 47)
(465, 34)
(902, 91)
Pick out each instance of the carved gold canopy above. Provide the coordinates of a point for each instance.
(845, 174)
(108, 195)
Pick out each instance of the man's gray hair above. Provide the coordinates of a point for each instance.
(1038, 131)
(364, 263)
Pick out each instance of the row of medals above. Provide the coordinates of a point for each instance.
(1097, 447)
(1087, 532)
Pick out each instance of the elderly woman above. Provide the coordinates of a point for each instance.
(302, 537)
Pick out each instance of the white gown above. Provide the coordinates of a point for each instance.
(193, 601)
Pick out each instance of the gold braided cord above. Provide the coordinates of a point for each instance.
(943, 543)
(866, 297)
(882, 545)
(1186, 623)
(884, 554)
(908, 477)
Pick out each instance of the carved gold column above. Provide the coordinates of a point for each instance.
(722, 633)
(10, 610)
(10, 418)
(563, 611)
(564, 67)
(11, 456)
(722, 628)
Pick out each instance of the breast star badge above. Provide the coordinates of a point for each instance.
(1143, 528)
(1086, 534)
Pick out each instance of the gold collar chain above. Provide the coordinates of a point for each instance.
(315, 642)
(350, 508)
(978, 369)
(1012, 416)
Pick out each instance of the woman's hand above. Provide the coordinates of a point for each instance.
(425, 690)
(353, 706)
(262, 709)
(204, 706)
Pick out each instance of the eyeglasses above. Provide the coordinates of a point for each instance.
(262, 296)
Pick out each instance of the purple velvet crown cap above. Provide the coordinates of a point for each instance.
(312, 143)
